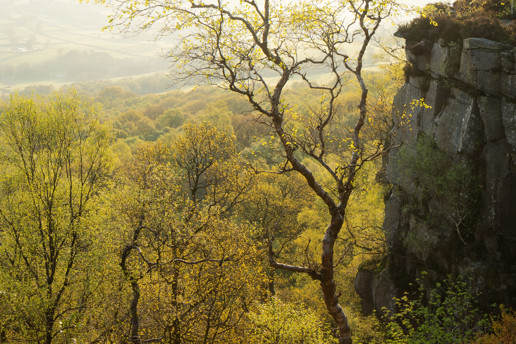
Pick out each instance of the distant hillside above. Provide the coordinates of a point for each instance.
(61, 41)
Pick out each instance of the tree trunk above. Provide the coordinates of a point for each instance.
(271, 274)
(49, 325)
(135, 321)
(332, 304)
(271, 288)
(175, 290)
(328, 286)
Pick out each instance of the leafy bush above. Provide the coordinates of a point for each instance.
(369, 330)
(432, 28)
(449, 29)
(446, 314)
(504, 330)
(416, 30)
(278, 322)
(480, 18)
(485, 27)
(492, 8)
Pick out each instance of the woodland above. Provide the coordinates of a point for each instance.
(236, 211)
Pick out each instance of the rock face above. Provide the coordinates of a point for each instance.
(452, 207)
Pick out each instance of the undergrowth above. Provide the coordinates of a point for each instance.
(448, 314)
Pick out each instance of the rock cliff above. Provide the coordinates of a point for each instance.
(452, 204)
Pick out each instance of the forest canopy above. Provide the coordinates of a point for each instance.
(235, 212)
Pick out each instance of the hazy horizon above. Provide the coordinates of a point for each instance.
(61, 42)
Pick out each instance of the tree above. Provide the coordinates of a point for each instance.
(192, 270)
(272, 208)
(277, 322)
(255, 49)
(54, 163)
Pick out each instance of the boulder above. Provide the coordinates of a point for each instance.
(407, 113)
(508, 86)
(392, 220)
(419, 54)
(507, 61)
(496, 168)
(435, 98)
(489, 82)
(444, 60)
(484, 44)
(509, 120)
(363, 284)
(459, 128)
(491, 113)
(481, 55)
(384, 290)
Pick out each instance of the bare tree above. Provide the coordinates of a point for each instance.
(255, 49)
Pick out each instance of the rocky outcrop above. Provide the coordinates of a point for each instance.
(452, 207)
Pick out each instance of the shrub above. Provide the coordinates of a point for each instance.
(450, 29)
(446, 314)
(504, 330)
(432, 28)
(485, 27)
(279, 322)
(416, 30)
(479, 18)
(492, 8)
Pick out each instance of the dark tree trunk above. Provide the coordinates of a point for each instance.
(134, 337)
(135, 320)
(176, 325)
(49, 325)
(331, 298)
